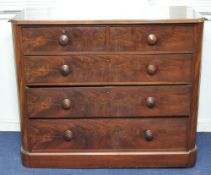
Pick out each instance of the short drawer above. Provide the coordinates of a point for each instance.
(108, 69)
(62, 39)
(148, 38)
(84, 102)
(91, 134)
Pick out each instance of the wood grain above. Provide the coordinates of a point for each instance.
(198, 31)
(95, 69)
(47, 39)
(82, 38)
(110, 160)
(17, 38)
(170, 38)
(97, 114)
(108, 101)
(48, 135)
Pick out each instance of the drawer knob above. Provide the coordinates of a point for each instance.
(148, 135)
(64, 70)
(151, 69)
(68, 135)
(152, 39)
(66, 104)
(150, 102)
(63, 39)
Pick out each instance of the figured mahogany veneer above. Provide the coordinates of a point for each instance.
(115, 91)
(49, 135)
(88, 102)
(108, 69)
(168, 38)
(48, 39)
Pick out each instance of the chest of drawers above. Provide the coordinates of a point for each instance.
(108, 92)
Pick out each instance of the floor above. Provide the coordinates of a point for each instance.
(10, 163)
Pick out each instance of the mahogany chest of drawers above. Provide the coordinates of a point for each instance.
(108, 92)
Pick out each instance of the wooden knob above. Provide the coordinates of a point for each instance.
(64, 70)
(66, 104)
(63, 39)
(150, 101)
(152, 39)
(151, 69)
(148, 135)
(68, 135)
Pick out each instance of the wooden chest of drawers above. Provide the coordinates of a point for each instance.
(108, 93)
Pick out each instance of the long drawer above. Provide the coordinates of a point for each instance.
(108, 69)
(144, 38)
(126, 101)
(91, 134)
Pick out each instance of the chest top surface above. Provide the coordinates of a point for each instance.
(136, 15)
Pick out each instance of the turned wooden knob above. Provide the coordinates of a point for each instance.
(151, 69)
(63, 39)
(65, 70)
(66, 104)
(152, 39)
(148, 135)
(68, 135)
(150, 101)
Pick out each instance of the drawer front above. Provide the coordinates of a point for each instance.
(152, 38)
(144, 38)
(108, 101)
(91, 134)
(60, 39)
(108, 69)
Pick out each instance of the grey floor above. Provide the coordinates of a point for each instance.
(10, 163)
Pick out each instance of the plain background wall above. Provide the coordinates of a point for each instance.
(204, 115)
(9, 114)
